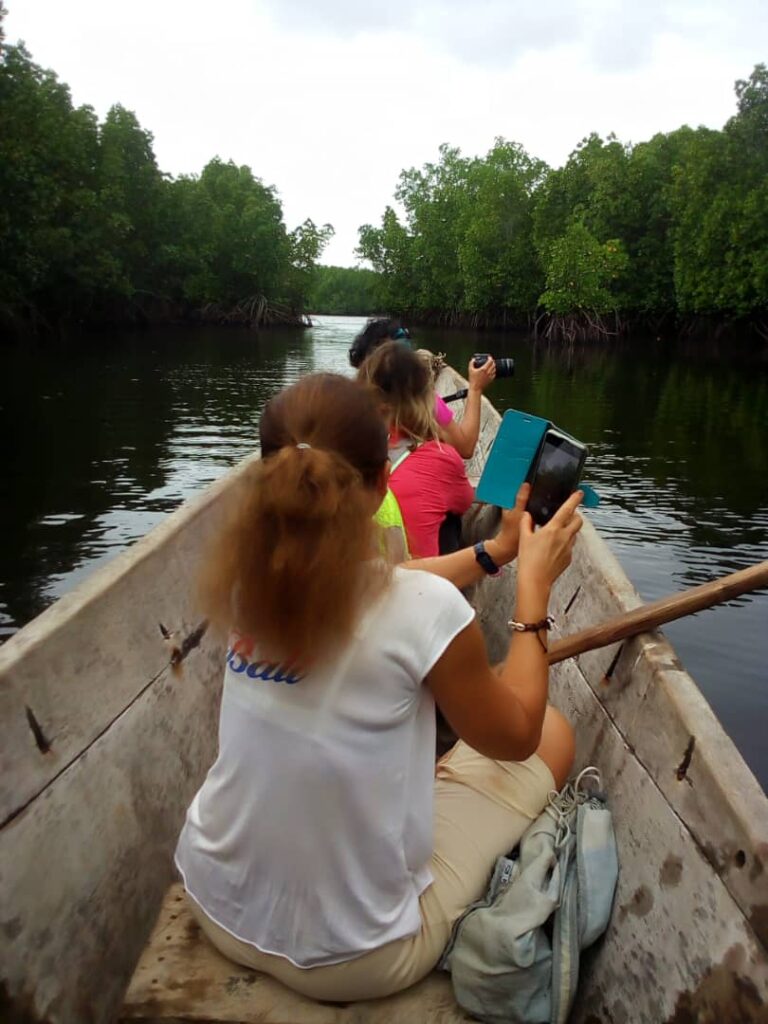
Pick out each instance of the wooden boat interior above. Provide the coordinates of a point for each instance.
(108, 704)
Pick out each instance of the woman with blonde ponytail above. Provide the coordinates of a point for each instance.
(429, 480)
(323, 848)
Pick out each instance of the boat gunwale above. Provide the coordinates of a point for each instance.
(707, 784)
(92, 588)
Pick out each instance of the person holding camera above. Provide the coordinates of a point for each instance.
(323, 848)
(463, 436)
(428, 477)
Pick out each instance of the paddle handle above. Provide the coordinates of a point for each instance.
(666, 609)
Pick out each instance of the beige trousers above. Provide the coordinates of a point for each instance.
(482, 807)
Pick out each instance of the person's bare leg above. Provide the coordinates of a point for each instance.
(557, 748)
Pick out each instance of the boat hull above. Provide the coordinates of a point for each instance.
(109, 728)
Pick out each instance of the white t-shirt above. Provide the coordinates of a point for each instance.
(312, 834)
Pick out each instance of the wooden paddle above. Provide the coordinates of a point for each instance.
(666, 609)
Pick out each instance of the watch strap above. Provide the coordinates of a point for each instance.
(485, 561)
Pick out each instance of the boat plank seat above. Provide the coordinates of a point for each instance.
(180, 977)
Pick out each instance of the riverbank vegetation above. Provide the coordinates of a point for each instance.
(92, 232)
(666, 234)
(353, 291)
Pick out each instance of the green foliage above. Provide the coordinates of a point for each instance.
(90, 228)
(677, 225)
(130, 196)
(49, 214)
(616, 192)
(718, 199)
(496, 245)
(307, 243)
(345, 290)
(582, 273)
(227, 239)
(467, 238)
(391, 254)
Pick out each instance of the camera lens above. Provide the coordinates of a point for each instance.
(505, 367)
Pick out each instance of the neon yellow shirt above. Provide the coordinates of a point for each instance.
(389, 516)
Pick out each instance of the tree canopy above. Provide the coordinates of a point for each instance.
(673, 227)
(92, 231)
(345, 290)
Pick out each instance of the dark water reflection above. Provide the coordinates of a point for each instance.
(101, 442)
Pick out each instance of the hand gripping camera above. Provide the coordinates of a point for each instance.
(504, 367)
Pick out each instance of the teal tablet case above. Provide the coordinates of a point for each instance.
(509, 460)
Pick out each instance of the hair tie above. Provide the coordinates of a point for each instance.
(303, 444)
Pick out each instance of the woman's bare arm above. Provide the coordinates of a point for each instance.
(487, 710)
(461, 567)
(463, 436)
(501, 715)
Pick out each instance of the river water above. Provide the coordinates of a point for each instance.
(102, 440)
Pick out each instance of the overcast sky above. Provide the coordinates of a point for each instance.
(328, 101)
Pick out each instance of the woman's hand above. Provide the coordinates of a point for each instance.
(504, 546)
(481, 376)
(545, 553)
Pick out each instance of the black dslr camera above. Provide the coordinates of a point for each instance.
(504, 367)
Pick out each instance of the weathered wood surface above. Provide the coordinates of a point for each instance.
(678, 948)
(673, 732)
(181, 977)
(688, 937)
(80, 663)
(93, 787)
(90, 820)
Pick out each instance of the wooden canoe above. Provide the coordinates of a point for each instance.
(108, 728)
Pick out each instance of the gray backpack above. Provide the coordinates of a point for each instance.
(505, 967)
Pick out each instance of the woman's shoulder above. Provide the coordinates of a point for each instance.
(438, 449)
(430, 610)
(421, 584)
(440, 452)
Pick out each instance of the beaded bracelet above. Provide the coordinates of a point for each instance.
(531, 627)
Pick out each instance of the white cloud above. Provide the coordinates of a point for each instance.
(615, 34)
(330, 101)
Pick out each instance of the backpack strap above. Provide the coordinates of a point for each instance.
(400, 460)
(504, 966)
(589, 870)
